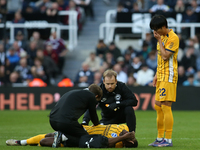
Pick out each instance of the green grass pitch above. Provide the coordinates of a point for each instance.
(24, 124)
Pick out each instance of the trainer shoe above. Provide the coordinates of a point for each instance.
(164, 143)
(57, 139)
(156, 142)
(12, 142)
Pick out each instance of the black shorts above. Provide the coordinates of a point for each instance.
(93, 141)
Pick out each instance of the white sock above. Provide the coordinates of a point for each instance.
(159, 139)
(23, 142)
(64, 138)
(168, 140)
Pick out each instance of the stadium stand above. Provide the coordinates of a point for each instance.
(132, 56)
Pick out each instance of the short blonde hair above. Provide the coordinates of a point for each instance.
(109, 73)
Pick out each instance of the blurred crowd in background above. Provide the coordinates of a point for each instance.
(37, 58)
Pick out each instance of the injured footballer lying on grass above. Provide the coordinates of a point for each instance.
(106, 136)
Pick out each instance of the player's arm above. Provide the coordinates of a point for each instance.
(86, 117)
(155, 80)
(165, 54)
(93, 112)
(128, 136)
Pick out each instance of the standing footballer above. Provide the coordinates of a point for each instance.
(165, 79)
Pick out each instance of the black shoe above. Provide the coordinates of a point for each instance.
(57, 139)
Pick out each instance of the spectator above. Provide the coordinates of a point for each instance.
(152, 43)
(170, 3)
(14, 5)
(109, 59)
(195, 6)
(179, 7)
(181, 75)
(38, 71)
(53, 10)
(114, 50)
(196, 43)
(136, 8)
(134, 66)
(121, 8)
(43, 5)
(72, 7)
(127, 3)
(87, 5)
(14, 78)
(13, 57)
(65, 82)
(21, 41)
(18, 19)
(191, 81)
(182, 44)
(130, 50)
(198, 63)
(93, 61)
(160, 6)
(50, 66)
(9, 68)
(23, 69)
(31, 51)
(124, 67)
(62, 4)
(131, 81)
(127, 58)
(191, 43)
(85, 76)
(152, 60)
(188, 17)
(7, 43)
(2, 54)
(101, 48)
(2, 75)
(1, 21)
(28, 7)
(50, 52)
(98, 78)
(144, 75)
(39, 42)
(59, 47)
(180, 55)
(197, 76)
(17, 48)
(103, 68)
(3, 9)
(121, 75)
(145, 51)
(151, 3)
(189, 61)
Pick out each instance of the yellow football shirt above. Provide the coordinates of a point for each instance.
(167, 70)
(110, 131)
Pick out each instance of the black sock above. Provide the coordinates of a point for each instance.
(18, 142)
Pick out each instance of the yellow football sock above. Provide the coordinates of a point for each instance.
(160, 121)
(35, 139)
(168, 121)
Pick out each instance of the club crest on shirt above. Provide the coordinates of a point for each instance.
(171, 45)
(103, 99)
(113, 134)
(117, 97)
